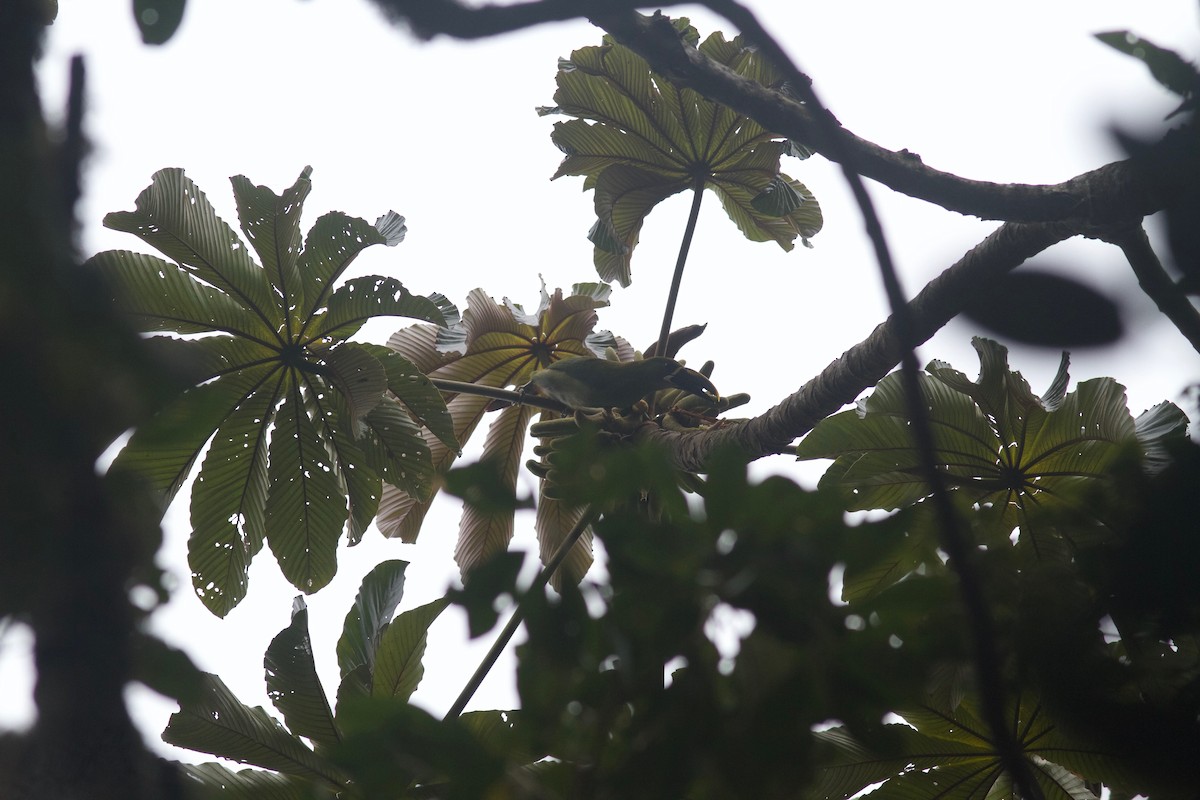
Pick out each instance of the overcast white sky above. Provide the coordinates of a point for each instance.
(445, 133)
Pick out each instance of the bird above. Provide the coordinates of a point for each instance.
(584, 382)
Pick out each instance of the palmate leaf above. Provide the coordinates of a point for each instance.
(638, 139)
(997, 443)
(305, 427)
(496, 345)
(951, 754)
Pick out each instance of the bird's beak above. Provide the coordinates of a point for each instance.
(691, 381)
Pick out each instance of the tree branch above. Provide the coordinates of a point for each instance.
(1156, 283)
(865, 364)
(1094, 198)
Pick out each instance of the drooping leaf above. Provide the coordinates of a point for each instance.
(407, 382)
(307, 426)
(228, 522)
(305, 508)
(1157, 429)
(482, 531)
(638, 139)
(396, 450)
(554, 521)
(293, 684)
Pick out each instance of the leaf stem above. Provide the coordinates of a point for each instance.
(518, 615)
(677, 278)
(506, 395)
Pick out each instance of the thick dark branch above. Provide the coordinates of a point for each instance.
(428, 18)
(1155, 282)
(863, 365)
(1091, 199)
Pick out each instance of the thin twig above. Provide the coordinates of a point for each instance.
(518, 615)
(496, 393)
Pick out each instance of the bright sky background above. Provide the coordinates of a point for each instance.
(445, 133)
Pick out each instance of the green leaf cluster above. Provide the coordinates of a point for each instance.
(379, 658)
(638, 139)
(298, 427)
(1026, 460)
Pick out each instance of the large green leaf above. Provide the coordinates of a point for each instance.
(307, 426)
(997, 444)
(272, 224)
(305, 509)
(228, 515)
(949, 754)
(483, 532)
(160, 296)
(293, 684)
(219, 724)
(638, 139)
(173, 216)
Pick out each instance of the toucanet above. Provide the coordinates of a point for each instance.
(599, 383)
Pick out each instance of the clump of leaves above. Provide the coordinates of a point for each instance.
(379, 659)
(304, 425)
(1025, 458)
(638, 139)
(941, 751)
(499, 345)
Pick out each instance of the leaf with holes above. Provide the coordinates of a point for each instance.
(305, 427)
